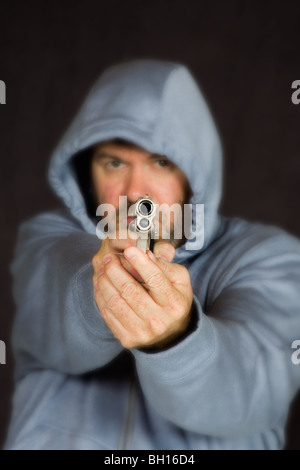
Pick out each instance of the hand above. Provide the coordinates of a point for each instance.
(116, 245)
(124, 239)
(153, 313)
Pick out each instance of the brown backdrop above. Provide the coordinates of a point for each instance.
(245, 55)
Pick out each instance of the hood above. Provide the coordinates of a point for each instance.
(158, 106)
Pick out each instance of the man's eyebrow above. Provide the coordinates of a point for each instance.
(103, 154)
(157, 155)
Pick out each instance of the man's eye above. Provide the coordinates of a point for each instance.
(162, 163)
(114, 164)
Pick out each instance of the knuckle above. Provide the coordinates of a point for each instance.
(129, 290)
(112, 265)
(164, 266)
(126, 342)
(183, 273)
(177, 305)
(177, 311)
(114, 302)
(157, 327)
(155, 281)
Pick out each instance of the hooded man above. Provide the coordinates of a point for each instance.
(185, 346)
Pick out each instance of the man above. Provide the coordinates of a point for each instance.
(187, 346)
(138, 317)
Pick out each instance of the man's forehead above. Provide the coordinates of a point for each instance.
(110, 146)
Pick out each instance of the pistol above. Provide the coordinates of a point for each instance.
(143, 223)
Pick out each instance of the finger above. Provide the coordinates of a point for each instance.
(114, 246)
(164, 250)
(176, 273)
(128, 288)
(125, 324)
(156, 281)
(130, 337)
(111, 303)
(98, 266)
(118, 330)
(130, 269)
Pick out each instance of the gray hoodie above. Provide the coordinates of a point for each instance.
(228, 384)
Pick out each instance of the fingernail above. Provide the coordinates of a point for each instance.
(164, 258)
(106, 259)
(130, 253)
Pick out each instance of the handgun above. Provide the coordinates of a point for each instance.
(143, 223)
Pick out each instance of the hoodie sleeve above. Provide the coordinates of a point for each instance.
(57, 323)
(234, 373)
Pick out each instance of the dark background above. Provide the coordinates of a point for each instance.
(244, 54)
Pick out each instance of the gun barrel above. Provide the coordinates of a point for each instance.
(144, 223)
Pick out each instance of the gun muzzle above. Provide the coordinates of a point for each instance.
(143, 224)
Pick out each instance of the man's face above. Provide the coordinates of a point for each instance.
(126, 170)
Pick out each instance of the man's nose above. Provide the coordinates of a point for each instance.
(137, 184)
